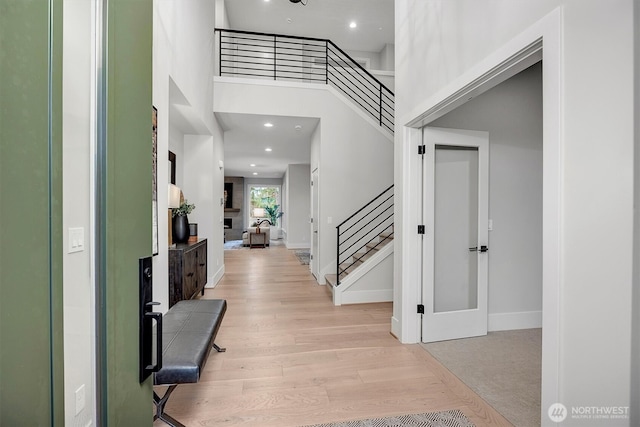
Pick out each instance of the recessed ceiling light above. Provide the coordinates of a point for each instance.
(353, 24)
(255, 173)
(268, 125)
(268, 149)
(253, 165)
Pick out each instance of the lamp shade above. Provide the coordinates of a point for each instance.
(258, 212)
(174, 196)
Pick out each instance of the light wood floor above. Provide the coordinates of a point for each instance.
(294, 359)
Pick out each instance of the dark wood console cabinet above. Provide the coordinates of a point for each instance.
(187, 270)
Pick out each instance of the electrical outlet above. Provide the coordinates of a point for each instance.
(80, 399)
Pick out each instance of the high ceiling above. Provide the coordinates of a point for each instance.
(245, 135)
(325, 19)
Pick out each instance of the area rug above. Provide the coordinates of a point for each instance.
(452, 418)
(303, 256)
(233, 244)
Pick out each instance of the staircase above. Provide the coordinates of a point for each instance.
(364, 265)
(364, 261)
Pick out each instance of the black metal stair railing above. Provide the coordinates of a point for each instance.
(305, 59)
(369, 227)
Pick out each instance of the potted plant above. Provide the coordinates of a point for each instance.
(273, 213)
(181, 221)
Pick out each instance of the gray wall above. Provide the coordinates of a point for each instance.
(512, 114)
(237, 218)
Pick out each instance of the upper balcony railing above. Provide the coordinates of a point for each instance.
(281, 57)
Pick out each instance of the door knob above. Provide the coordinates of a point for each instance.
(473, 249)
(484, 248)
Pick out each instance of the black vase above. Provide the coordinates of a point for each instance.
(180, 229)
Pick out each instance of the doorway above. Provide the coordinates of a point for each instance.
(315, 223)
(511, 113)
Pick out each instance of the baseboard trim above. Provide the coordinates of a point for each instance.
(396, 328)
(362, 297)
(513, 321)
(212, 281)
(297, 245)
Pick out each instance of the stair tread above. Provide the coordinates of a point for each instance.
(331, 279)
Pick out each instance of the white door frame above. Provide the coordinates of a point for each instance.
(513, 57)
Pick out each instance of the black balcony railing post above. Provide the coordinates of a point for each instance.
(326, 61)
(275, 43)
(219, 51)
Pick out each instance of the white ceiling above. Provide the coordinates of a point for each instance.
(245, 135)
(325, 19)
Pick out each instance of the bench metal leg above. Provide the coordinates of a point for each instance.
(160, 403)
(219, 349)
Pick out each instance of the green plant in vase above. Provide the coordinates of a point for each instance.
(273, 213)
(181, 221)
(185, 209)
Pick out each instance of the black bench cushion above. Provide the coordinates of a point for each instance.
(188, 332)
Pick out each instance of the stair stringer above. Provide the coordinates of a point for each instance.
(355, 288)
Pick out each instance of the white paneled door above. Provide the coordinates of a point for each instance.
(456, 248)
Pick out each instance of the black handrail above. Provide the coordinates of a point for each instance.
(365, 206)
(377, 220)
(308, 59)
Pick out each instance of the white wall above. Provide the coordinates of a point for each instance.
(199, 178)
(387, 57)
(222, 19)
(297, 203)
(183, 52)
(79, 324)
(512, 114)
(635, 355)
(354, 155)
(438, 41)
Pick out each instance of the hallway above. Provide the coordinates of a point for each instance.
(294, 359)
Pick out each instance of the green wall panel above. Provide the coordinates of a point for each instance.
(128, 200)
(31, 358)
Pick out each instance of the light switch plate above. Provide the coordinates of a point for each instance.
(76, 239)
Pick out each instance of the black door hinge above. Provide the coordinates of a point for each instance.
(421, 229)
(422, 150)
(420, 308)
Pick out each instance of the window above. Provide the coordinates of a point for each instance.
(264, 203)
